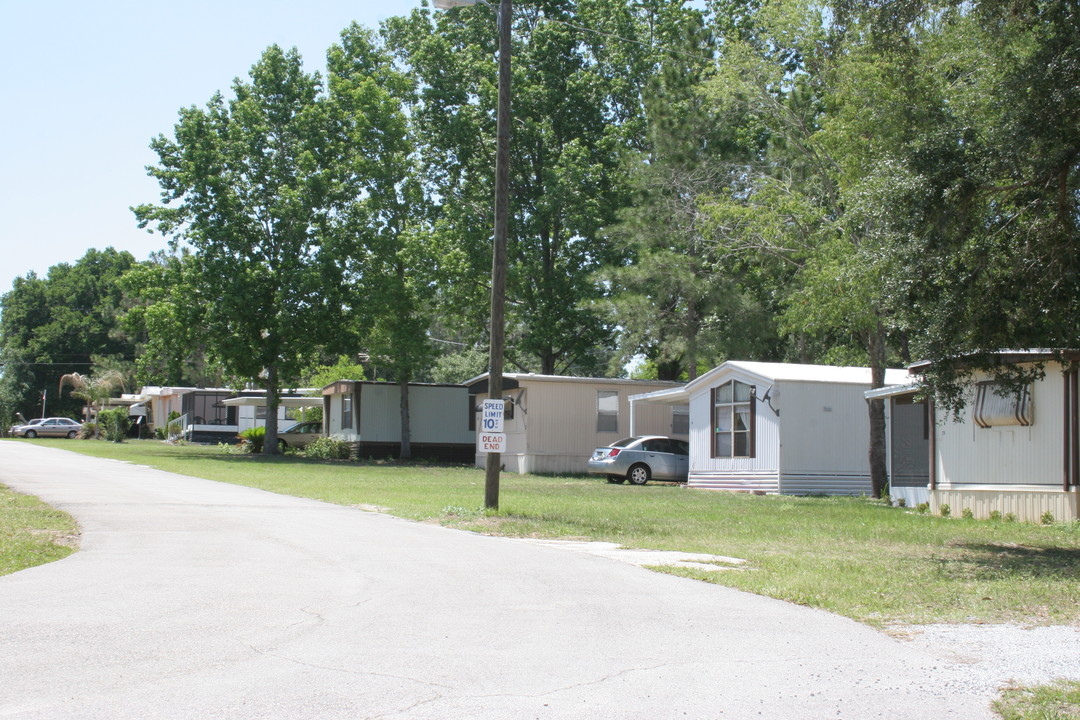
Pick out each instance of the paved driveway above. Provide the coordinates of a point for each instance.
(195, 599)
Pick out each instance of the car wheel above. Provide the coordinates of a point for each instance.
(281, 445)
(30, 434)
(616, 479)
(72, 434)
(639, 474)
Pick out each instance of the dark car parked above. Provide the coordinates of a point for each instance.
(640, 459)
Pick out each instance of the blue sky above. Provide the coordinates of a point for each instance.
(85, 87)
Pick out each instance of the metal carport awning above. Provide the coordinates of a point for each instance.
(260, 401)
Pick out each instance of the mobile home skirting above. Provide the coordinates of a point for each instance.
(1027, 503)
(783, 483)
(759, 482)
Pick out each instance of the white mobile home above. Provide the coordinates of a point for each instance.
(778, 427)
(206, 416)
(368, 414)
(1011, 450)
(553, 423)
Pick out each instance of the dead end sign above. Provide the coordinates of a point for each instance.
(491, 442)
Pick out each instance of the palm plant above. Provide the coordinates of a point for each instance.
(94, 390)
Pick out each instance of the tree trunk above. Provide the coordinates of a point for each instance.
(273, 394)
(691, 341)
(879, 472)
(668, 369)
(406, 433)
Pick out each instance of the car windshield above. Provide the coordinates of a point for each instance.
(625, 442)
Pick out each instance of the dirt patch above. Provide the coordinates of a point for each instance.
(645, 558)
(63, 539)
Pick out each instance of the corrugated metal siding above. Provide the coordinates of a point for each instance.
(1027, 504)
(554, 425)
(825, 484)
(766, 439)
(760, 482)
(437, 414)
(560, 420)
(1010, 455)
(817, 444)
(826, 429)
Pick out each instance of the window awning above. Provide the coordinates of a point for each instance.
(260, 401)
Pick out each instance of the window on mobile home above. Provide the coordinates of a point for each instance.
(733, 420)
(607, 411)
(997, 405)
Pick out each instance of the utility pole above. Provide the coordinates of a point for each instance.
(498, 250)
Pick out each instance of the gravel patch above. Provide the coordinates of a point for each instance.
(995, 656)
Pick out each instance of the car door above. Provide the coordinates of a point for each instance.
(681, 455)
(310, 432)
(49, 428)
(660, 459)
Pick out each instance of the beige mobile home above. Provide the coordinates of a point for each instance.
(553, 423)
(1012, 451)
(368, 413)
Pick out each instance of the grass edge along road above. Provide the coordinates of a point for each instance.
(32, 533)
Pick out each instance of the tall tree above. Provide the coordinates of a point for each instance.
(576, 107)
(368, 95)
(55, 325)
(166, 323)
(255, 186)
(987, 199)
(786, 63)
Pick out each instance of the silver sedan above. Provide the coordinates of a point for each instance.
(640, 459)
(49, 427)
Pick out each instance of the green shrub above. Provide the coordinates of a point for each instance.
(114, 424)
(1010, 517)
(945, 510)
(252, 439)
(89, 431)
(967, 514)
(1047, 518)
(922, 508)
(901, 502)
(327, 448)
(995, 515)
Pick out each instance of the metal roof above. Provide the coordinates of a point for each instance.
(794, 372)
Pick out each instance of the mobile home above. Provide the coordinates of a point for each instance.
(778, 427)
(368, 414)
(1012, 449)
(553, 423)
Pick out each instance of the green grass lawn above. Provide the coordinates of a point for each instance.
(855, 557)
(1059, 701)
(32, 533)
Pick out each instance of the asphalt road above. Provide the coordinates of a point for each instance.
(195, 599)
